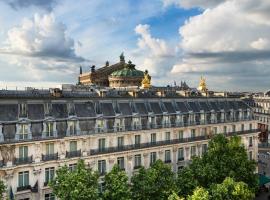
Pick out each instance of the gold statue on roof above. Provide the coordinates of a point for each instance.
(202, 86)
(146, 82)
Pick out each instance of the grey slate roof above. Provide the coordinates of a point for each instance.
(182, 107)
(8, 112)
(141, 108)
(107, 109)
(155, 107)
(169, 107)
(193, 106)
(85, 109)
(125, 109)
(59, 110)
(35, 111)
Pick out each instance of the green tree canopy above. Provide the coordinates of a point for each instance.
(116, 185)
(155, 183)
(2, 189)
(231, 190)
(174, 196)
(79, 184)
(199, 194)
(224, 158)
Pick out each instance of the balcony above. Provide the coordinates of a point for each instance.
(137, 167)
(54, 135)
(162, 143)
(167, 161)
(73, 154)
(48, 157)
(23, 160)
(181, 159)
(23, 188)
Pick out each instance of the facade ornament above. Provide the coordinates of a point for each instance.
(7, 153)
(145, 154)
(146, 82)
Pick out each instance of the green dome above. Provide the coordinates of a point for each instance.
(128, 71)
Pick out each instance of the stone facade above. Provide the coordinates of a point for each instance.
(38, 135)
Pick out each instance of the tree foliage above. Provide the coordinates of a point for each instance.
(199, 194)
(155, 183)
(174, 196)
(2, 189)
(231, 190)
(224, 158)
(116, 185)
(79, 184)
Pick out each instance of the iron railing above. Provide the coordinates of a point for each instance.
(23, 160)
(47, 157)
(72, 154)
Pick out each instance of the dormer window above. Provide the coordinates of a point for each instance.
(100, 126)
(49, 129)
(72, 128)
(23, 132)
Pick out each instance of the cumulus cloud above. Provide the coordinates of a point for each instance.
(228, 39)
(45, 4)
(41, 37)
(157, 55)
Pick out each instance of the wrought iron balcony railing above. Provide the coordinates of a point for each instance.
(161, 143)
(47, 157)
(72, 154)
(23, 160)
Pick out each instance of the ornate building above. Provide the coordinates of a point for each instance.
(126, 77)
(42, 130)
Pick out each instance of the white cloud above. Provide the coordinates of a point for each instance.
(260, 44)
(42, 37)
(228, 39)
(154, 54)
(156, 46)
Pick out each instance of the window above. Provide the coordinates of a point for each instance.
(181, 134)
(49, 148)
(49, 175)
(23, 179)
(121, 162)
(250, 155)
(250, 143)
(215, 130)
(23, 152)
(101, 144)
(204, 148)
(193, 150)
(72, 167)
(233, 128)
(250, 126)
(49, 129)
(242, 127)
(49, 196)
(167, 136)
(73, 146)
(72, 128)
(102, 167)
(137, 140)
(193, 133)
(167, 156)
(153, 138)
(153, 157)
(100, 126)
(120, 142)
(224, 129)
(23, 132)
(138, 161)
(203, 131)
(181, 154)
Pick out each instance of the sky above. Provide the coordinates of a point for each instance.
(43, 42)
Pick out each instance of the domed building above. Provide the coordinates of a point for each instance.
(128, 76)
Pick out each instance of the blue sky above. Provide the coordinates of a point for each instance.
(43, 43)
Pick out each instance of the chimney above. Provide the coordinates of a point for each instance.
(93, 68)
(107, 63)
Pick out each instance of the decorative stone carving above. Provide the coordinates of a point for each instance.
(129, 157)
(7, 153)
(145, 154)
(62, 147)
(111, 160)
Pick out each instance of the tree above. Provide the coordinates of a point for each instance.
(2, 189)
(116, 185)
(199, 194)
(186, 183)
(79, 184)
(155, 183)
(174, 196)
(224, 158)
(231, 190)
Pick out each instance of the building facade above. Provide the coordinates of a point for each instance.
(40, 133)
